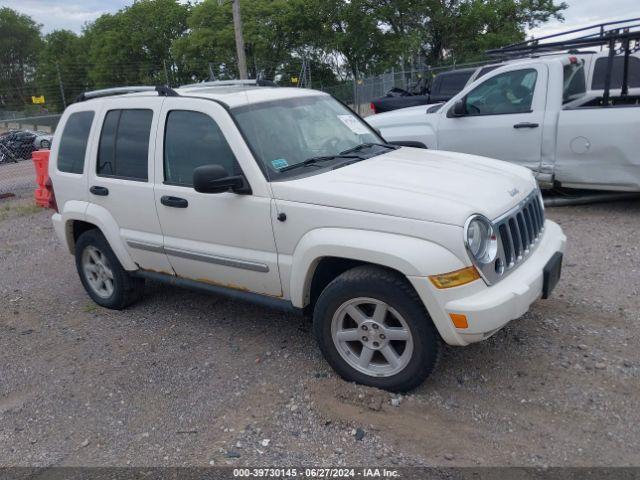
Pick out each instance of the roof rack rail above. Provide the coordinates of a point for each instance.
(600, 34)
(616, 35)
(259, 82)
(163, 91)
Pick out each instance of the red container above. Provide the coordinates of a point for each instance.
(41, 162)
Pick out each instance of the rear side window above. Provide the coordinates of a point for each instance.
(193, 139)
(486, 70)
(573, 82)
(73, 144)
(452, 83)
(600, 73)
(124, 144)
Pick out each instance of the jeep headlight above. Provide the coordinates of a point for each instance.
(481, 240)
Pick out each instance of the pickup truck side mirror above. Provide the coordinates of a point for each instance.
(216, 179)
(459, 109)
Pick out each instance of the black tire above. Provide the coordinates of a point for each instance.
(393, 289)
(126, 288)
(45, 144)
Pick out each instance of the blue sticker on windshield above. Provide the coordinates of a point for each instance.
(279, 163)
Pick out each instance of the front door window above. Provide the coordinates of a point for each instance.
(509, 92)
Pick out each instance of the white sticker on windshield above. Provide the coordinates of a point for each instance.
(354, 124)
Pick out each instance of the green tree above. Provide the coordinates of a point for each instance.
(132, 46)
(272, 35)
(62, 68)
(19, 45)
(445, 30)
(352, 30)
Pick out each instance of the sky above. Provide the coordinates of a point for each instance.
(73, 14)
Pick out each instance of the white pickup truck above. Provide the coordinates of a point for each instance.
(537, 112)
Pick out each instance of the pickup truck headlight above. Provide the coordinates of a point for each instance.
(481, 240)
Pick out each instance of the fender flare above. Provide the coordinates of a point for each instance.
(410, 256)
(102, 219)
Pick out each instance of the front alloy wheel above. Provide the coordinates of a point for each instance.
(373, 329)
(372, 337)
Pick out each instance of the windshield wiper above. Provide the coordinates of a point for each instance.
(362, 146)
(316, 160)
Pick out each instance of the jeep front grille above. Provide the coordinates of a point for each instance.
(520, 229)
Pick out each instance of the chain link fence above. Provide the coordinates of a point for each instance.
(360, 93)
(19, 138)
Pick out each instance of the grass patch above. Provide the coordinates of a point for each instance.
(90, 308)
(19, 209)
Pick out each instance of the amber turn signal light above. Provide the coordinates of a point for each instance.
(459, 320)
(455, 279)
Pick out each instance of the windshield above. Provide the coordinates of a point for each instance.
(285, 133)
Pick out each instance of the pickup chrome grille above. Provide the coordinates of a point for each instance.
(520, 229)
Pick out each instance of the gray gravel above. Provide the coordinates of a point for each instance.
(183, 378)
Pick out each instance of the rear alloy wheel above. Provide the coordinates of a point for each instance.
(373, 329)
(102, 275)
(97, 271)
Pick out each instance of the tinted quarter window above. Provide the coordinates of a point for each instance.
(193, 139)
(573, 83)
(73, 144)
(600, 73)
(124, 144)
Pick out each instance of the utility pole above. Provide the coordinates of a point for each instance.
(64, 101)
(237, 25)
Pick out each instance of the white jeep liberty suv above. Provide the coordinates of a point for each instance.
(284, 196)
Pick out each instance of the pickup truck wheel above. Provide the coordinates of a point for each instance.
(373, 329)
(102, 275)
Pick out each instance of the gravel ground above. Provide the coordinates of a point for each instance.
(183, 378)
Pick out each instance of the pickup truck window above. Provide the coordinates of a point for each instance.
(509, 92)
(450, 83)
(600, 72)
(124, 144)
(73, 144)
(283, 133)
(486, 70)
(193, 139)
(573, 82)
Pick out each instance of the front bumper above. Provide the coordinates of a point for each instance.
(490, 308)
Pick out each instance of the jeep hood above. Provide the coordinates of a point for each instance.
(429, 185)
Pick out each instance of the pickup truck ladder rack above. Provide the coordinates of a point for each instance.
(163, 91)
(621, 37)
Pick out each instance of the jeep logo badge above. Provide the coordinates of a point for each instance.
(513, 192)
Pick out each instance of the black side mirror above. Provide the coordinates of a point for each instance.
(216, 179)
(459, 109)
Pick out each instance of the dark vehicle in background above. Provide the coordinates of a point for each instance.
(444, 86)
(18, 145)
